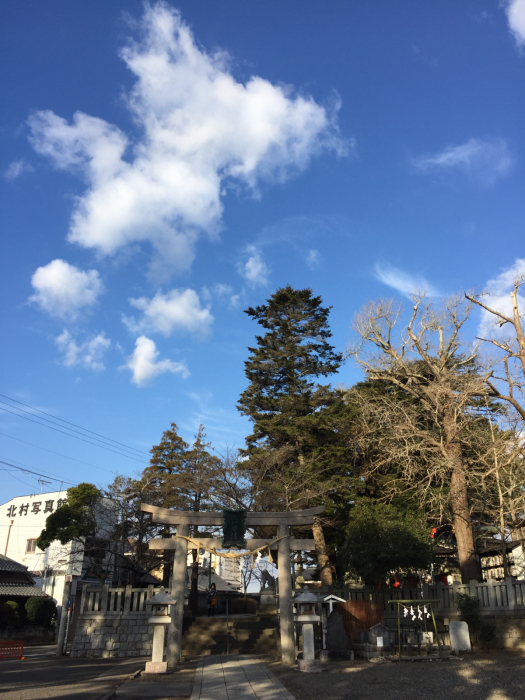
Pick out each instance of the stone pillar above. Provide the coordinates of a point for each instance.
(308, 642)
(285, 597)
(178, 589)
(63, 617)
(157, 653)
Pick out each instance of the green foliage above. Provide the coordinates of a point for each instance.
(382, 541)
(487, 633)
(73, 520)
(184, 476)
(41, 611)
(298, 451)
(469, 610)
(282, 397)
(9, 614)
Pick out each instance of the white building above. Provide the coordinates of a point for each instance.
(22, 519)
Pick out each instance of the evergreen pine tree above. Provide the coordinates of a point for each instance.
(184, 477)
(292, 414)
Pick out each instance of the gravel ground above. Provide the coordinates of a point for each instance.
(496, 675)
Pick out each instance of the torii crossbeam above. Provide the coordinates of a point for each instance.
(182, 521)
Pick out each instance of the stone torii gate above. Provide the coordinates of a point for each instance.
(182, 521)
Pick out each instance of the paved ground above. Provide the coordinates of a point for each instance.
(497, 675)
(236, 678)
(171, 685)
(42, 676)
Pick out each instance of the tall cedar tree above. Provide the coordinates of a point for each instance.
(185, 477)
(285, 404)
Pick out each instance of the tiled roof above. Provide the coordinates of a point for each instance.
(7, 564)
(17, 589)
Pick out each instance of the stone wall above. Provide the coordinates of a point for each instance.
(113, 635)
(30, 634)
(510, 631)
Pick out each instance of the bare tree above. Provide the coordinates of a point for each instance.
(421, 424)
(506, 335)
(510, 342)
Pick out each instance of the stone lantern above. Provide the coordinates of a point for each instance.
(159, 619)
(307, 617)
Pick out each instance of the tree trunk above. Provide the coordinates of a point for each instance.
(469, 564)
(322, 557)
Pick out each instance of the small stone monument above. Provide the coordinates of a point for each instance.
(459, 636)
(336, 639)
(159, 620)
(379, 631)
(307, 617)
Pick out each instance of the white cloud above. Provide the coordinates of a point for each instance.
(144, 365)
(179, 310)
(498, 297)
(18, 168)
(63, 290)
(403, 282)
(201, 130)
(484, 161)
(313, 258)
(88, 354)
(225, 291)
(255, 271)
(515, 11)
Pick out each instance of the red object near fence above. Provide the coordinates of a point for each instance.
(11, 649)
(360, 616)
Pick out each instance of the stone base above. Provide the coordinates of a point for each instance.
(156, 667)
(326, 655)
(309, 666)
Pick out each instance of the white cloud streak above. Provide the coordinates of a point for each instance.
(178, 310)
(515, 11)
(18, 168)
(255, 271)
(313, 258)
(403, 282)
(88, 354)
(144, 365)
(483, 161)
(498, 298)
(62, 289)
(201, 130)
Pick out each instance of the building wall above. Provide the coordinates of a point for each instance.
(29, 515)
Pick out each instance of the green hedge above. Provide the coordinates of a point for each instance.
(9, 614)
(41, 611)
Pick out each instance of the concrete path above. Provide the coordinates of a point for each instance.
(236, 678)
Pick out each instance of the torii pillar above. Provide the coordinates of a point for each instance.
(182, 521)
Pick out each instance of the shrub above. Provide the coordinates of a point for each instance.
(382, 541)
(9, 615)
(487, 633)
(41, 611)
(469, 611)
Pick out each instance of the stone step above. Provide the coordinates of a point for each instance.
(247, 635)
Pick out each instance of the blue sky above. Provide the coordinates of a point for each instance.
(164, 166)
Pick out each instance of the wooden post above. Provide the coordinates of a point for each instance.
(178, 588)
(285, 597)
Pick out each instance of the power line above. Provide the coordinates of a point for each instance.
(15, 477)
(89, 442)
(133, 451)
(43, 476)
(88, 464)
(33, 408)
(29, 469)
